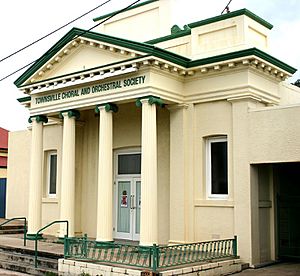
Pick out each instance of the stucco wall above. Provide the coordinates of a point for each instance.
(289, 94)
(18, 173)
(3, 173)
(154, 20)
(274, 135)
(213, 218)
(52, 141)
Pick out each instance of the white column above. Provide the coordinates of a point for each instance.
(67, 196)
(105, 176)
(149, 215)
(36, 177)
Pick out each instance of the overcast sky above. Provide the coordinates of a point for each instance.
(23, 21)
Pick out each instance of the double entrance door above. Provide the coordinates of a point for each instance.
(127, 195)
(128, 208)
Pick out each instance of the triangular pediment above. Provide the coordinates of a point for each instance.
(80, 56)
(80, 50)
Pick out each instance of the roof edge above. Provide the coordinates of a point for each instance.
(230, 15)
(76, 32)
(24, 99)
(209, 21)
(48, 55)
(244, 53)
(120, 11)
(169, 37)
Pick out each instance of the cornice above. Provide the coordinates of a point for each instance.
(138, 51)
(230, 15)
(187, 28)
(69, 40)
(125, 67)
(101, 73)
(72, 46)
(25, 101)
(233, 94)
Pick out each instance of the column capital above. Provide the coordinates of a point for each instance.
(151, 100)
(71, 113)
(38, 118)
(108, 107)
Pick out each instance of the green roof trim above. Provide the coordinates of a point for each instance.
(230, 15)
(244, 53)
(118, 11)
(169, 37)
(24, 99)
(148, 50)
(89, 69)
(76, 32)
(189, 26)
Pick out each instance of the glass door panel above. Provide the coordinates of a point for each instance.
(124, 208)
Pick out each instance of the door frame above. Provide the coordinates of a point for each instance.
(133, 178)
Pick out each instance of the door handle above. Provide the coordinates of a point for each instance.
(132, 205)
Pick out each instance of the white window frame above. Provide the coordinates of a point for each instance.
(127, 151)
(209, 141)
(49, 154)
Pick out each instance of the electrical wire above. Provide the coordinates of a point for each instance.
(56, 30)
(106, 19)
(226, 7)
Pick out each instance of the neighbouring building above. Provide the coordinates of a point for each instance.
(159, 134)
(3, 169)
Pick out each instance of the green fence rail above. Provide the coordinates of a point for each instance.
(150, 257)
(40, 231)
(18, 218)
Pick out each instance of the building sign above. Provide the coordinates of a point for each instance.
(94, 89)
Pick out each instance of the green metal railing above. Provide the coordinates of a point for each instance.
(151, 257)
(25, 225)
(40, 230)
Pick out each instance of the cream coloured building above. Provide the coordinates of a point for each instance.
(162, 135)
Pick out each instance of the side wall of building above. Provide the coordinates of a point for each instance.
(19, 144)
(214, 218)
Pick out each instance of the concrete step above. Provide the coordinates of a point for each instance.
(28, 260)
(29, 251)
(22, 260)
(11, 229)
(19, 267)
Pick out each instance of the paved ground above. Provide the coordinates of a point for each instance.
(15, 222)
(4, 272)
(281, 269)
(17, 241)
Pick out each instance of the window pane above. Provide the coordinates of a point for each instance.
(129, 164)
(53, 169)
(219, 168)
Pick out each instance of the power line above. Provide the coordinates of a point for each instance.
(86, 31)
(56, 30)
(227, 8)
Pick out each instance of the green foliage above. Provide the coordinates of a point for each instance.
(49, 273)
(85, 274)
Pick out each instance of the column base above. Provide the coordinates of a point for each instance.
(34, 237)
